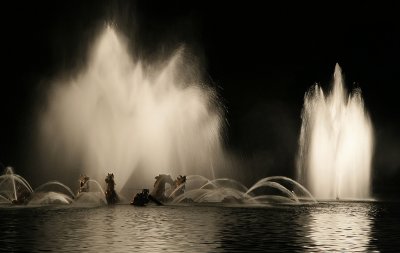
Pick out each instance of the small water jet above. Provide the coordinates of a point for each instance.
(50, 184)
(14, 188)
(91, 195)
(50, 198)
(336, 143)
(97, 184)
(52, 192)
(225, 190)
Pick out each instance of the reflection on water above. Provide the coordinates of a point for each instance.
(102, 229)
(341, 228)
(322, 227)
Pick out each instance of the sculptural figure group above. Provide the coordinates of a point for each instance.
(159, 195)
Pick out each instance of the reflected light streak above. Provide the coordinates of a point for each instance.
(340, 231)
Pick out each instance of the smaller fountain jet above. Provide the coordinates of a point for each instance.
(269, 190)
(14, 188)
(90, 191)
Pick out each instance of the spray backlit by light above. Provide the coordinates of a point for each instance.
(119, 115)
(336, 143)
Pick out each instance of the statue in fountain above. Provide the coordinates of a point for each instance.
(178, 188)
(83, 183)
(141, 199)
(158, 195)
(111, 195)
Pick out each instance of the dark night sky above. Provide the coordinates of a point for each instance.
(261, 57)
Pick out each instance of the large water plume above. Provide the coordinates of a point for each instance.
(120, 115)
(336, 143)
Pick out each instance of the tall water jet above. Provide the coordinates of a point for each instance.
(123, 116)
(336, 143)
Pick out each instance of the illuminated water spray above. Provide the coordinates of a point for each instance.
(119, 115)
(336, 143)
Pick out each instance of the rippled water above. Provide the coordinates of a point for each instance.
(333, 226)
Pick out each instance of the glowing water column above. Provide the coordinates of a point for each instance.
(336, 143)
(137, 119)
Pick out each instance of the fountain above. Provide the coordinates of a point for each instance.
(199, 189)
(269, 190)
(336, 143)
(133, 118)
(52, 192)
(143, 119)
(90, 195)
(14, 188)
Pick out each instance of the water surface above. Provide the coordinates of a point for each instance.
(331, 226)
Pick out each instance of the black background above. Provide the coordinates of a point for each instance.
(260, 56)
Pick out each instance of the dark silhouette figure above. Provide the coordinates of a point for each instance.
(111, 195)
(141, 199)
(83, 183)
(159, 194)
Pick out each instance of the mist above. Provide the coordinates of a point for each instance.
(117, 115)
